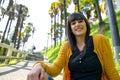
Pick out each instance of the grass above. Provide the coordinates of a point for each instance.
(52, 53)
(12, 61)
(117, 66)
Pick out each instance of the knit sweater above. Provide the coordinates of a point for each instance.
(101, 48)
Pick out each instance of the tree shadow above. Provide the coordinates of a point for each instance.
(16, 68)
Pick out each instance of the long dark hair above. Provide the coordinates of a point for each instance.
(70, 36)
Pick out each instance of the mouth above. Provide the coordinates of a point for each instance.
(78, 29)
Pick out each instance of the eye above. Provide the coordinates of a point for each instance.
(73, 22)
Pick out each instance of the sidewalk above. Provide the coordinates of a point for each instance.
(20, 70)
(17, 71)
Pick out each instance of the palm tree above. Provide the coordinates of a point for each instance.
(10, 12)
(51, 30)
(114, 29)
(76, 2)
(14, 37)
(54, 8)
(23, 16)
(61, 11)
(65, 4)
(101, 22)
(27, 31)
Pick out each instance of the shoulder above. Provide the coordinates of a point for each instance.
(65, 44)
(99, 37)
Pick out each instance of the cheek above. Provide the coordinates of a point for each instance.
(85, 29)
(72, 28)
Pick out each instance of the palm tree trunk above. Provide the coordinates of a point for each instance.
(55, 30)
(9, 28)
(114, 29)
(61, 28)
(19, 39)
(101, 22)
(5, 30)
(14, 37)
(65, 13)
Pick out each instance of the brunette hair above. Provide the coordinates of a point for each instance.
(70, 36)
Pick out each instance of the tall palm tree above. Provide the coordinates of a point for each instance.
(54, 8)
(65, 3)
(61, 6)
(114, 29)
(51, 30)
(27, 31)
(101, 22)
(23, 16)
(10, 13)
(61, 20)
(14, 37)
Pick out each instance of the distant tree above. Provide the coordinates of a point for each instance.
(28, 31)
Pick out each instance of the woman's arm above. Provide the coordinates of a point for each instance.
(109, 63)
(55, 68)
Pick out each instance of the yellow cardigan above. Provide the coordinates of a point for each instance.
(101, 48)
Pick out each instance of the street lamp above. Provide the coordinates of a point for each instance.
(76, 2)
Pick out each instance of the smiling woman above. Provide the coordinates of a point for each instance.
(79, 51)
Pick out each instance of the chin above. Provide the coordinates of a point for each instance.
(80, 33)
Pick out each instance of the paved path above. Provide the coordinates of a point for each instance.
(19, 71)
(16, 72)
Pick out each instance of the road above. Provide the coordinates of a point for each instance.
(19, 71)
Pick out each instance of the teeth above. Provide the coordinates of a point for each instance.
(78, 29)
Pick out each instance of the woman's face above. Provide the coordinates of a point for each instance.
(78, 27)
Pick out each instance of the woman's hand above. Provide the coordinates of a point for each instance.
(37, 73)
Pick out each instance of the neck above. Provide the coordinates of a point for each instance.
(80, 42)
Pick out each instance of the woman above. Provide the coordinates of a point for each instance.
(82, 57)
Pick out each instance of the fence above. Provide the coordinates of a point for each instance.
(11, 49)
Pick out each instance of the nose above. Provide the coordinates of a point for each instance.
(77, 23)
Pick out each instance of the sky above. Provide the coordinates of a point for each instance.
(38, 11)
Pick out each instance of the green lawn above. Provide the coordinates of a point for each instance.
(12, 61)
